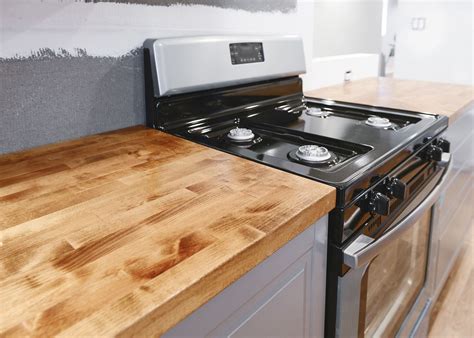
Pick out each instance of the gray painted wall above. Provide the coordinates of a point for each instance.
(53, 98)
(50, 95)
(347, 27)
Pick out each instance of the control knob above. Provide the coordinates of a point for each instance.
(375, 202)
(434, 152)
(396, 188)
(443, 144)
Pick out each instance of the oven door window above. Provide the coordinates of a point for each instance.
(395, 278)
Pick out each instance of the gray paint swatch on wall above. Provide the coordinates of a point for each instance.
(50, 97)
(248, 5)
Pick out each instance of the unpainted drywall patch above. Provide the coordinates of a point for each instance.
(284, 6)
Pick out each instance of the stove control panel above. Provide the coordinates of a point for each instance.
(189, 64)
(246, 52)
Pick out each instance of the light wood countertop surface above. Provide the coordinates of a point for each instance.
(130, 231)
(430, 97)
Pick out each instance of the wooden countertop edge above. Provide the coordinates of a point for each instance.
(160, 319)
(164, 318)
(460, 112)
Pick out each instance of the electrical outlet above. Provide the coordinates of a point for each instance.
(418, 23)
(421, 24)
(348, 75)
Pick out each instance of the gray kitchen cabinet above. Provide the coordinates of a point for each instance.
(280, 309)
(453, 212)
(281, 297)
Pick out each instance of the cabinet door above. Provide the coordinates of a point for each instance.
(281, 309)
(281, 297)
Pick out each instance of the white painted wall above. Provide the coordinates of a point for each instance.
(443, 51)
(347, 27)
(347, 37)
(390, 33)
(330, 70)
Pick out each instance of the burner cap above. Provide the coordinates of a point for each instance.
(241, 134)
(379, 122)
(313, 153)
(318, 112)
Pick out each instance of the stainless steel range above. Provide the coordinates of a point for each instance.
(242, 95)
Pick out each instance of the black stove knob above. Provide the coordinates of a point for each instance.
(433, 152)
(379, 203)
(436, 153)
(397, 188)
(443, 144)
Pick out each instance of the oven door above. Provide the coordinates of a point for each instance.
(387, 275)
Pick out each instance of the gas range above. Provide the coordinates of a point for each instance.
(254, 107)
(243, 95)
(346, 145)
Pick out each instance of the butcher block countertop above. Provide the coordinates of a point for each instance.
(430, 97)
(130, 231)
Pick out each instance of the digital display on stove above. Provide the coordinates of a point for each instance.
(246, 52)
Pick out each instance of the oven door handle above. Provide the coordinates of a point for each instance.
(363, 249)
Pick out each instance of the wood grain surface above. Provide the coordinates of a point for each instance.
(128, 232)
(430, 97)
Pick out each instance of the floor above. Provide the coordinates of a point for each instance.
(453, 313)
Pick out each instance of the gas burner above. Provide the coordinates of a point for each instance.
(317, 112)
(241, 134)
(313, 153)
(378, 122)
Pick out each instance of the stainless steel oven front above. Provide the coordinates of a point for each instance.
(386, 290)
